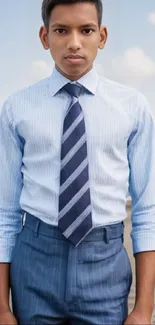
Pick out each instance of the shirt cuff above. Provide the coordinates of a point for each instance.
(6, 252)
(143, 242)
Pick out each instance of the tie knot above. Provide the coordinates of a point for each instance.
(73, 89)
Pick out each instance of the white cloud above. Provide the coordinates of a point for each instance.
(134, 69)
(1, 100)
(151, 17)
(41, 69)
(134, 62)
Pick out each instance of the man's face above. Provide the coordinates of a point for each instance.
(73, 38)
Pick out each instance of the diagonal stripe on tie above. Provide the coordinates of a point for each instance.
(80, 232)
(73, 164)
(73, 176)
(70, 216)
(72, 127)
(73, 150)
(70, 192)
(77, 222)
(75, 218)
(73, 138)
(70, 117)
(73, 193)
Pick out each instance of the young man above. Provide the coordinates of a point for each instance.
(70, 147)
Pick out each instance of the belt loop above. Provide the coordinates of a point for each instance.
(23, 218)
(37, 228)
(106, 235)
(123, 226)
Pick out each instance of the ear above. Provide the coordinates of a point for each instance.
(43, 34)
(103, 37)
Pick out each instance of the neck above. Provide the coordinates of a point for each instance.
(71, 77)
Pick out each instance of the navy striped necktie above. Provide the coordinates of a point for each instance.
(75, 217)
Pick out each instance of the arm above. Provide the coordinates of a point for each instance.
(145, 282)
(4, 285)
(141, 157)
(10, 190)
(6, 317)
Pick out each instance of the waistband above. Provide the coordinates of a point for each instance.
(105, 233)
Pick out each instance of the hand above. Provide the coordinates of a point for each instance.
(7, 318)
(137, 318)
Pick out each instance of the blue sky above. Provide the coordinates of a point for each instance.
(129, 56)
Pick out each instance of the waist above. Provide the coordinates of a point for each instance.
(103, 233)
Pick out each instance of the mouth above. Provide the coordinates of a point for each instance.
(74, 59)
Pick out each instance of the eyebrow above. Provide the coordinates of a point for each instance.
(66, 26)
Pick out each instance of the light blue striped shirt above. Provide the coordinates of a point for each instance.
(121, 152)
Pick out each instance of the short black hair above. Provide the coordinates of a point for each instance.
(49, 5)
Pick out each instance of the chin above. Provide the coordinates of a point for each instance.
(75, 71)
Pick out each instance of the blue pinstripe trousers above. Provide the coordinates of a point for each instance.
(53, 282)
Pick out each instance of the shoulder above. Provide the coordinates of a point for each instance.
(29, 93)
(115, 88)
(128, 96)
(24, 98)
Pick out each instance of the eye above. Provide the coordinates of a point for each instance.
(60, 31)
(88, 31)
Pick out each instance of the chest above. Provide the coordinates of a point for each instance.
(107, 126)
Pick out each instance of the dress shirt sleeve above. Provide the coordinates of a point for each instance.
(10, 183)
(141, 157)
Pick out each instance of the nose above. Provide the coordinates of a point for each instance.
(74, 42)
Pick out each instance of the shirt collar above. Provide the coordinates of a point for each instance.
(89, 81)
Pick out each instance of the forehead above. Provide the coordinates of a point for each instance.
(71, 14)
